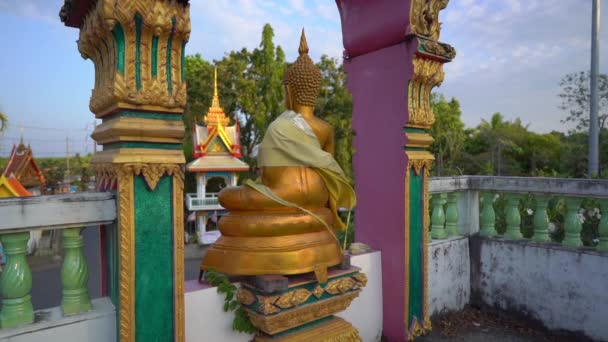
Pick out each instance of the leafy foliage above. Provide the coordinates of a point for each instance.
(3, 122)
(576, 99)
(241, 322)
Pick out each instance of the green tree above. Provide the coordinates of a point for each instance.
(3, 122)
(264, 102)
(449, 134)
(335, 105)
(576, 97)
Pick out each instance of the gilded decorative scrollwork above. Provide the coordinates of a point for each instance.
(126, 222)
(245, 296)
(318, 291)
(341, 285)
(361, 279)
(304, 314)
(428, 74)
(110, 32)
(267, 305)
(178, 245)
(293, 298)
(439, 49)
(424, 17)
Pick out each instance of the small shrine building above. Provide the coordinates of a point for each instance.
(22, 166)
(217, 153)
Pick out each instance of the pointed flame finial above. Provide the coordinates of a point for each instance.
(215, 82)
(21, 129)
(303, 49)
(215, 115)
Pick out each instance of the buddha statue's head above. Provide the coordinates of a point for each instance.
(302, 80)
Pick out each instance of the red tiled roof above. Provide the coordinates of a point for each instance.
(20, 160)
(18, 188)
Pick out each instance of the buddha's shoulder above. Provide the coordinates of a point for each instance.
(322, 124)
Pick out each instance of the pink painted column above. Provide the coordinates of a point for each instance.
(388, 44)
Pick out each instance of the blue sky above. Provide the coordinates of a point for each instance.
(511, 56)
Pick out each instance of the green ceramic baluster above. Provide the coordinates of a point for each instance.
(16, 282)
(438, 218)
(488, 217)
(541, 220)
(513, 217)
(603, 226)
(74, 274)
(572, 224)
(451, 214)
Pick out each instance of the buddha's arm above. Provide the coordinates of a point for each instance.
(330, 146)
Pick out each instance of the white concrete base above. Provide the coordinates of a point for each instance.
(98, 325)
(365, 312)
(206, 320)
(449, 274)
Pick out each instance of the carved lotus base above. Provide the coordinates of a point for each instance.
(303, 311)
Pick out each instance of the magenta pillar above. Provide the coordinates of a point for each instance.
(393, 59)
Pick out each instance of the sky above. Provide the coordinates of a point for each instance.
(511, 56)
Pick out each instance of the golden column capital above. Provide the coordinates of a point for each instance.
(137, 49)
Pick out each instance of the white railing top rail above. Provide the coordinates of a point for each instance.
(56, 211)
(573, 187)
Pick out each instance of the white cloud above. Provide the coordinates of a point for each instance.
(299, 7)
(43, 10)
(219, 26)
(512, 53)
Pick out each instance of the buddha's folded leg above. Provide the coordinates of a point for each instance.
(244, 198)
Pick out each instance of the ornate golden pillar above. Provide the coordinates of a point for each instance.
(428, 73)
(137, 48)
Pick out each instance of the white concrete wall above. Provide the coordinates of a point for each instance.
(206, 320)
(566, 289)
(98, 325)
(449, 274)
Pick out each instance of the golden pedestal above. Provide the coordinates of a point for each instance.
(303, 311)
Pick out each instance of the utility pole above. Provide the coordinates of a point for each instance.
(593, 117)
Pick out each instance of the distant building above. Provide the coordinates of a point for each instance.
(22, 166)
(11, 187)
(217, 149)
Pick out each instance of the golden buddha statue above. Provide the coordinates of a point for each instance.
(284, 222)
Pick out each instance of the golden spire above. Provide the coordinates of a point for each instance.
(215, 103)
(215, 116)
